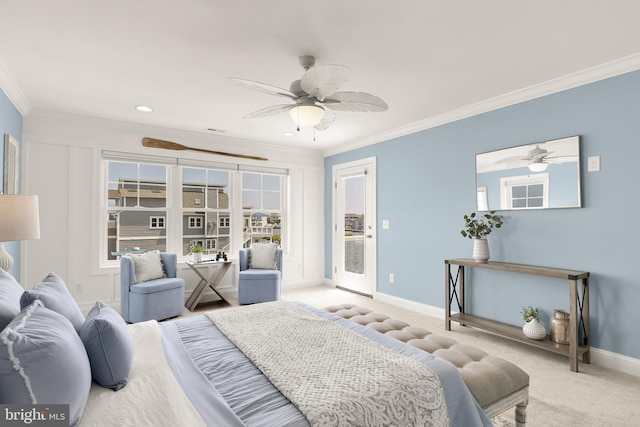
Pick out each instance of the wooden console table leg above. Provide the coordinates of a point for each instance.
(447, 301)
(586, 356)
(573, 325)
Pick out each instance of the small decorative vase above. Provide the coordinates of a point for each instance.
(481, 250)
(559, 330)
(534, 330)
(197, 256)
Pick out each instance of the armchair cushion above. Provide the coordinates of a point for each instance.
(263, 256)
(53, 292)
(147, 266)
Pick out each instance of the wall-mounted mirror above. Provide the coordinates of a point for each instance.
(535, 176)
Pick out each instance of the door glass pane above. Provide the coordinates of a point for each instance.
(354, 224)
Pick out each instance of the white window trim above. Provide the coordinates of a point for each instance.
(534, 179)
(158, 219)
(174, 212)
(197, 220)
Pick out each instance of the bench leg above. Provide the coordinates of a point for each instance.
(521, 414)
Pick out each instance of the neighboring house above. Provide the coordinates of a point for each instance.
(145, 229)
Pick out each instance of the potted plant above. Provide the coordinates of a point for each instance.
(478, 227)
(197, 250)
(533, 328)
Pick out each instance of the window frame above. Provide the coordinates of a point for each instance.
(507, 183)
(158, 219)
(231, 217)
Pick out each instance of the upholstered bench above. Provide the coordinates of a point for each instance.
(495, 383)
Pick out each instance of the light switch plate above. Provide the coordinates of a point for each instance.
(385, 224)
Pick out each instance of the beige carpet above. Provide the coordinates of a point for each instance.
(593, 397)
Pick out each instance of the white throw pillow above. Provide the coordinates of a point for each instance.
(147, 266)
(263, 255)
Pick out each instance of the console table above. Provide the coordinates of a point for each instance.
(579, 344)
(220, 268)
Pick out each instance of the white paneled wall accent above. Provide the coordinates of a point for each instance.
(61, 163)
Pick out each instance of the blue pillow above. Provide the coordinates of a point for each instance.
(109, 345)
(43, 361)
(10, 292)
(54, 294)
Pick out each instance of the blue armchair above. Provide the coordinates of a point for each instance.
(155, 299)
(257, 285)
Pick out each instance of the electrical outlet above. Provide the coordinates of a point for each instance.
(385, 224)
(593, 164)
(392, 278)
(78, 288)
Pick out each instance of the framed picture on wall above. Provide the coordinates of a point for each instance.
(10, 185)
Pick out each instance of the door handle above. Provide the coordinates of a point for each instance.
(369, 236)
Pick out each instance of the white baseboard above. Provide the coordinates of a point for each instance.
(615, 361)
(604, 358)
(425, 309)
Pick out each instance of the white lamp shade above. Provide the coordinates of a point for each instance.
(306, 115)
(19, 217)
(538, 167)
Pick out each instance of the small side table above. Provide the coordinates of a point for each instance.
(214, 279)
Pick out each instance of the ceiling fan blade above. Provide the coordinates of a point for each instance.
(324, 80)
(158, 143)
(263, 87)
(355, 101)
(327, 120)
(514, 159)
(269, 111)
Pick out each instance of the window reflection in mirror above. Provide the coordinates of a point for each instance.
(534, 176)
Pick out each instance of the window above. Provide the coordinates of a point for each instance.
(195, 222)
(208, 191)
(525, 192)
(136, 207)
(156, 222)
(262, 207)
(158, 203)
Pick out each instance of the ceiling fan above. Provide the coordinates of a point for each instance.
(536, 159)
(314, 96)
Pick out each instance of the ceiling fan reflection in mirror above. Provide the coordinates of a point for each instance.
(314, 96)
(536, 159)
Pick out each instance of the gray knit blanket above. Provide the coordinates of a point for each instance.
(335, 376)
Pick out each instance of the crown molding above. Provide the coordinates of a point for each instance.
(12, 90)
(570, 81)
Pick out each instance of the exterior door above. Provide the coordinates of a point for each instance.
(354, 225)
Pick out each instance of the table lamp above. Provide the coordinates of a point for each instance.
(19, 220)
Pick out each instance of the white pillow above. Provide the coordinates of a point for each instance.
(263, 255)
(147, 266)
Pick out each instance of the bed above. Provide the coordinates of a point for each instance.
(187, 372)
(270, 364)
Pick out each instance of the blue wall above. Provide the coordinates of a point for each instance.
(426, 183)
(11, 123)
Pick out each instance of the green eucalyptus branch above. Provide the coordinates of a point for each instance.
(480, 226)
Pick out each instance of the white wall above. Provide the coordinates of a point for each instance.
(62, 155)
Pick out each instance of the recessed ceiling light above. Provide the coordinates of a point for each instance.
(144, 108)
(288, 134)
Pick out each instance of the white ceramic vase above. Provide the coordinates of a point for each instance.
(197, 256)
(481, 250)
(534, 330)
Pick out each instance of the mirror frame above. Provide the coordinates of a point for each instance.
(531, 169)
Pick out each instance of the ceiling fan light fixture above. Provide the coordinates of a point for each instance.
(306, 115)
(538, 166)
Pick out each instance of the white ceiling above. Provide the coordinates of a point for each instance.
(425, 58)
